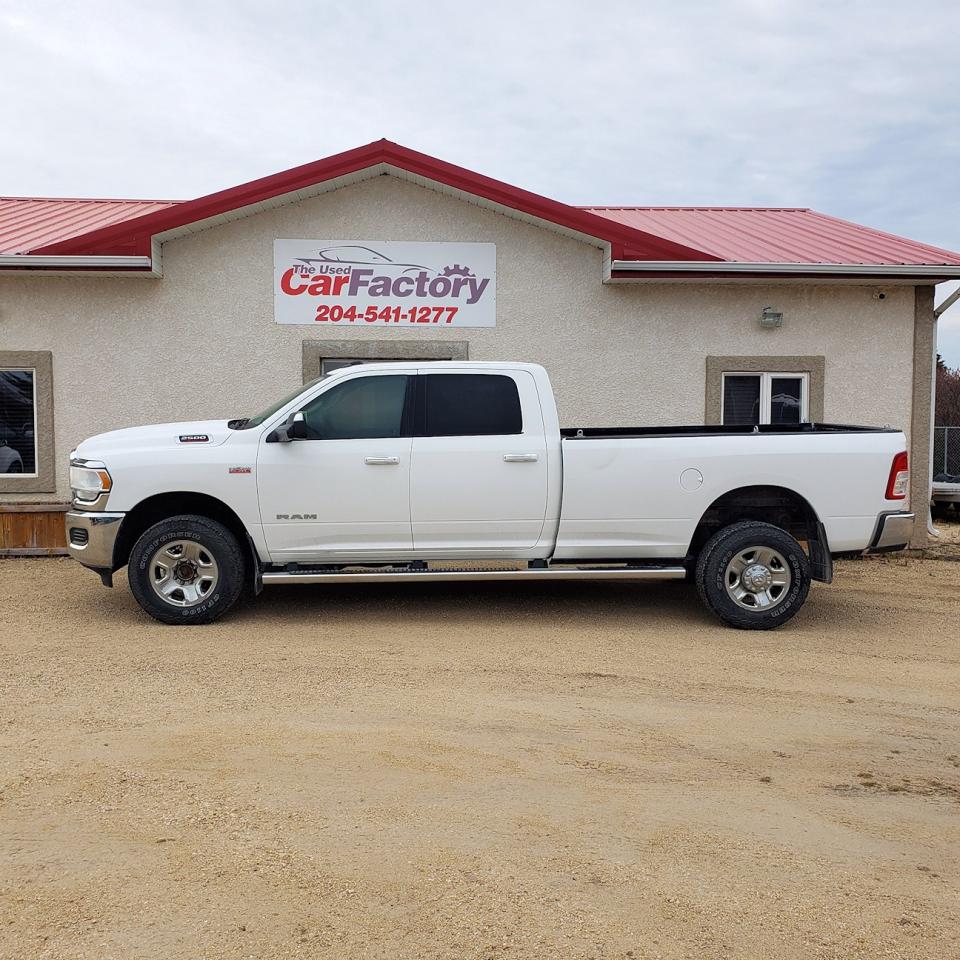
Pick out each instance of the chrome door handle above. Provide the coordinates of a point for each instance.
(381, 461)
(521, 457)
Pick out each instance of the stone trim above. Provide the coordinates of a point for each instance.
(315, 351)
(718, 366)
(924, 358)
(52, 507)
(41, 362)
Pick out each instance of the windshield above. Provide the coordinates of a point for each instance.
(245, 423)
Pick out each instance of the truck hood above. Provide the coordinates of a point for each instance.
(156, 436)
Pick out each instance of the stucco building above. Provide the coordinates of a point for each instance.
(115, 313)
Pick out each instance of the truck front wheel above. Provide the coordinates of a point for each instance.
(753, 576)
(186, 569)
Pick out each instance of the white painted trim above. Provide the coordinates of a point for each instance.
(506, 211)
(36, 439)
(766, 390)
(358, 176)
(725, 266)
(948, 303)
(107, 263)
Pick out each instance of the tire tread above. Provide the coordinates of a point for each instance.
(230, 560)
(717, 601)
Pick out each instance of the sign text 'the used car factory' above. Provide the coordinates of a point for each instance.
(385, 283)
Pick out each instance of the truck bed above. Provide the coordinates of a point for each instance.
(640, 492)
(944, 492)
(594, 433)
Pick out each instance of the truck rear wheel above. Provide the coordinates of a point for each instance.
(186, 569)
(753, 576)
(943, 511)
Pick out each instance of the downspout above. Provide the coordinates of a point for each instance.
(947, 304)
(937, 313)
(931, 529)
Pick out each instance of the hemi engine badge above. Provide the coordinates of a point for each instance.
(194, 438)
(239, 470)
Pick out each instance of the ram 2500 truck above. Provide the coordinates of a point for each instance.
(403, 471)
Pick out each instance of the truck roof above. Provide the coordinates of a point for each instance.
(458, 364)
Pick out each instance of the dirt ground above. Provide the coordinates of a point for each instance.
(480, 771)
(948, 541)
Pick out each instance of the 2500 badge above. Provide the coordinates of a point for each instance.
(334, 313)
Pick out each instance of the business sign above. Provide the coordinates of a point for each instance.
(385, 283)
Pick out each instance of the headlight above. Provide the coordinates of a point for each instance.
(88, 481)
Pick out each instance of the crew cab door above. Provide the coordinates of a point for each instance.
(478, 478)
(345, 491)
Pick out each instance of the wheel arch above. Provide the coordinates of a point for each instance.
(768, 503)
(162, 505)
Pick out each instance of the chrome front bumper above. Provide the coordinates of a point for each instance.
(91, 537)
(892, 532)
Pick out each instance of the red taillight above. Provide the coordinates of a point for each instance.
(899, 482)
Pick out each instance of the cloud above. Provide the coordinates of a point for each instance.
(948, 332)
(848, 108)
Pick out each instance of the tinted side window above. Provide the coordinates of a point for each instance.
(18, 453)
(471, 405)
(741, 399)
(359, 409)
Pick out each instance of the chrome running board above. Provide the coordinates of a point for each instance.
(405, 574)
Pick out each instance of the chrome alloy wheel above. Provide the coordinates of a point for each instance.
(183, 573)
(757, 577)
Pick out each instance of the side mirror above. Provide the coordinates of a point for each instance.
(295, 428)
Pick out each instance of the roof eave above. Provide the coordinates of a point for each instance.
(27, 262)
(134, 235)
(694, 270)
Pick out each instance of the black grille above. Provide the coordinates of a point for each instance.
(79, 537)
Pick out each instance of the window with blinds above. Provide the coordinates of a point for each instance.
(18, 414)
(756, 398)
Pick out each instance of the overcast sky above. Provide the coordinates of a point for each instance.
(851, 108)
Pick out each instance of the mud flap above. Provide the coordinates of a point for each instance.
(821, 562)
(256, 568)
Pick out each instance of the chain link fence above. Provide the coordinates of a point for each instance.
(946, 450)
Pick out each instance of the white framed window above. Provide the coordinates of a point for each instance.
(758, 398)
(18, 422)
(329, 364)
(27, 456)
(321, 357)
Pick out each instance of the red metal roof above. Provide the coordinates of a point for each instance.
(30, 222)
(134, 237)
(780, 235)
(777, 235)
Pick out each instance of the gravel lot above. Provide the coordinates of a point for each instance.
(488, 771)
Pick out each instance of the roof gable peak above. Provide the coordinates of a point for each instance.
(135, 236)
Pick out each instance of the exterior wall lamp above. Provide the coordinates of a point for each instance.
(770, 318)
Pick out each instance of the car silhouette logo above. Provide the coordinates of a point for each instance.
(353, 255)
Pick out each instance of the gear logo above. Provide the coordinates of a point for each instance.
(456, 271)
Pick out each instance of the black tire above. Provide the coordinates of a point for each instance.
(942, 511)
(736, 541)
(215, 542)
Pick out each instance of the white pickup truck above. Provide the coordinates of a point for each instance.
(403, 471)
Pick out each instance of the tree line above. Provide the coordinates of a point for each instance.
(948, 395)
